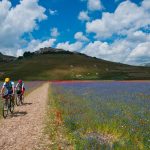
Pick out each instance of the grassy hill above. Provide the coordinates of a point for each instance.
(68, 66)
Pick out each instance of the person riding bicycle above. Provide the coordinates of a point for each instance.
(20, 87)
(10, 89)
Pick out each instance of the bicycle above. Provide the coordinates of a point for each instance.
(8, 105)
(19, 99)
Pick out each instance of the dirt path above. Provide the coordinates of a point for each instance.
(24, 129)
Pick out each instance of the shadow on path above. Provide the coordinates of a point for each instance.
(19, 113)
(27, 103)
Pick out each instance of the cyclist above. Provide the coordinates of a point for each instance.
(10, 89)
(20, 87)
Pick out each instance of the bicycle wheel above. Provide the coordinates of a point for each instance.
(12, 106)
(5, 109)
(18, 100)
(22, 99)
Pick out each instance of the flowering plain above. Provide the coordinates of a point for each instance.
(105, 114)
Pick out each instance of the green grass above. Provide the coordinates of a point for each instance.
(70, 67)
(57, 132)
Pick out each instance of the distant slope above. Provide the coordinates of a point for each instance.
(62, 65)
(147, 65)
(5, 58)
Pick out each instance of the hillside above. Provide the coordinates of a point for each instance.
(147, 65)
(5, 58)
(55, 64)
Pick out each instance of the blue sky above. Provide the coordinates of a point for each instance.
(115, 30)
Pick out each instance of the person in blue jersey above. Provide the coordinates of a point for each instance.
(8, 88)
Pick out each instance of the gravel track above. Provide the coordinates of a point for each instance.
(23, 130)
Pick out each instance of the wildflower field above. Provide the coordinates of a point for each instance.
(105, 114)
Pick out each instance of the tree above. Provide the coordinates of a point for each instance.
(27, 54)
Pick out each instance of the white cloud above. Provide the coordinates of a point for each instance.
(138, 36)
(146, 4)
(54, 32)
(19, 52)
(128, 17)
(141, 54)
(47, 43)
(79, 36)
(18, 20)
(140, 50)
(129, 23)
(52, 12)
(35, 45)
(112, 52)
(4, 7)
(132, 50)
(94, 5)
(132, 44)
(83, 16)
(77, 46)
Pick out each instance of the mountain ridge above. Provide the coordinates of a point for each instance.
(58, 64)
(147, 64)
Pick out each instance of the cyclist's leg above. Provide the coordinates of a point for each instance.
(12, 96)
(19, 94)
(22, 94)
(24, 90)
(5, 96)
